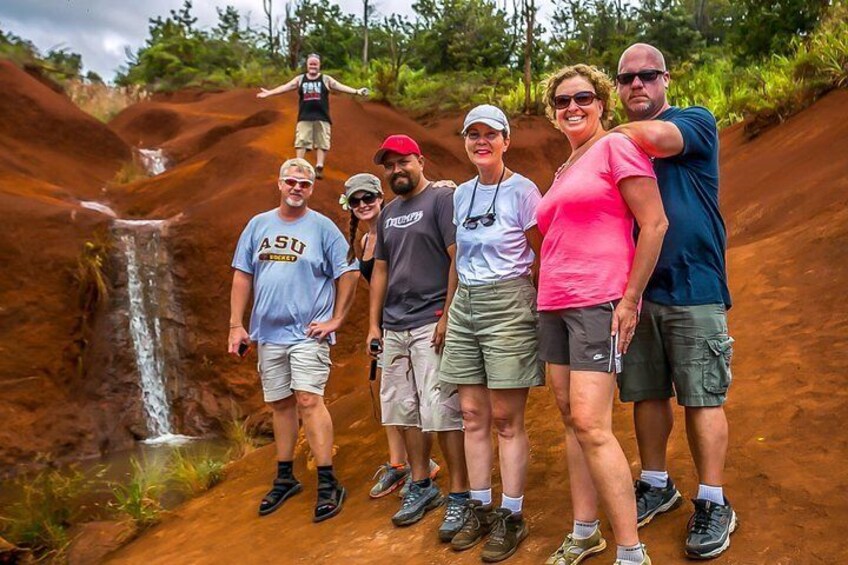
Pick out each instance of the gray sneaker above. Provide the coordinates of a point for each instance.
(388, 478)
(709, 529)
(416, 503)
(434, 470)
(454, 518)
(651, 501)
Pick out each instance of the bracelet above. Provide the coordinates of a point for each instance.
(236, 326)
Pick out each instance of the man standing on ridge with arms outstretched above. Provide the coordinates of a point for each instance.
(681, 345)
(313, 115)
(412, 285)
(295, 262)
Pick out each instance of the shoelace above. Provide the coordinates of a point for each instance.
(412, 496)
(471, 522)
(454, 510)
(702, 521)
(381, 470)
(499, 529)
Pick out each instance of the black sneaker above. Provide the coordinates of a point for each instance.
(709, 529)
(651, 501)
(319, 172)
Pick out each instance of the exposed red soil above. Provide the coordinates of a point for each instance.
(784, 196)
(51, 155)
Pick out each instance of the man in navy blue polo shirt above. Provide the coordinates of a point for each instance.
(681, 345)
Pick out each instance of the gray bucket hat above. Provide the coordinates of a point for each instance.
(365, 182)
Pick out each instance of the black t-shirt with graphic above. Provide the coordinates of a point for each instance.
(314, 99)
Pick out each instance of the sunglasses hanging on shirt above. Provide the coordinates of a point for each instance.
(487, 219)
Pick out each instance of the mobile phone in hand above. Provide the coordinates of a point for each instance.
(375, 346)
(243, 349)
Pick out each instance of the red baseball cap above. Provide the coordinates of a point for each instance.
(400, 144)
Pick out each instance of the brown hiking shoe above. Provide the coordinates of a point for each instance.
(478, 522)
(508, 531)
(575, 550)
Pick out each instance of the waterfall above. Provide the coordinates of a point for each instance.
(148, 286)
(154, 161)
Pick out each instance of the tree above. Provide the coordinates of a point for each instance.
(528, 12)
(670, 27)
(764, 27)
(366, 16)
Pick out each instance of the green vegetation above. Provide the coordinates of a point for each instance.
(139, 498)
(50, 502)
(195, 474)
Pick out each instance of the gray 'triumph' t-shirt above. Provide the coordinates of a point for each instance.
(412, 237)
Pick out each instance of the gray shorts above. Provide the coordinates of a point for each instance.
(679, 349)
(580, 338)
(303, 366)
(410, 391)
(492, 337)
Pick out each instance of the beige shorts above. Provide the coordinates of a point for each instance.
(492, 336)
(411, 393)
(312, 135)
(303, 366)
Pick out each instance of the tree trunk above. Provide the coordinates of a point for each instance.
(365, 16)
(529, 14)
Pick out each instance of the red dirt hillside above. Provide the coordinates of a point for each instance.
(51, 155)
(784, 196)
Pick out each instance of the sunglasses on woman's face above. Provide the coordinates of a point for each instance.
(649, 75)
(368, 198)
(294, 181)
(563, 101)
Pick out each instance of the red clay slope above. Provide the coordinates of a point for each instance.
(784, 197)
(51, 155)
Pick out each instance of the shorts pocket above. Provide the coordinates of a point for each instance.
(324, 356)
(717, 374)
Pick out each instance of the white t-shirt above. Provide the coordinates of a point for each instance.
(498, 252)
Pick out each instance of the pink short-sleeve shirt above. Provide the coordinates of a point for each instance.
(588, 245)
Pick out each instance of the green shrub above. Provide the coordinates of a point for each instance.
(194, 474)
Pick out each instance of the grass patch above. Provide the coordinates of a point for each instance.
(51, 502)
(195, 474)
(139, 499)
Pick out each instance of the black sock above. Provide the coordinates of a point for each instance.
(325, 474)
(425, 483)
(285, 469)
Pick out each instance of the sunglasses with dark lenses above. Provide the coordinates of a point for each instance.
(563, 101)
(368, 198)
(294, 181)
(649, 75)
(486, 220)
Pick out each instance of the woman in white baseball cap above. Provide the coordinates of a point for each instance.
(491, 350)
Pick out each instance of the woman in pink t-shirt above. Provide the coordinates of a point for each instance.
(592, 275)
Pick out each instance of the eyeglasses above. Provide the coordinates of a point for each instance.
(368, 198)
(294, 181)
(585, 98)
(649, 75)
(471, 222)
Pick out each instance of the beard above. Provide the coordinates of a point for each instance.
(641, 110)
(402, 183)
(295, 202)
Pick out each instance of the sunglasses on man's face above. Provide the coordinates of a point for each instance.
(368, 198)
(649, 75)
(472, 222)
(291, 182)
(563, 101)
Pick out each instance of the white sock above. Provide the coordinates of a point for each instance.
(512, 504)
(713, 494)
(657, 479)
(583, 530)
(630, 554)
(484, 496)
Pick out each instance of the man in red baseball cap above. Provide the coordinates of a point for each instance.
(412, 284)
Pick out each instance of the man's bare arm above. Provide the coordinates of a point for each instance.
(239, 295)
(339, 87)
(290, 85)
(657, 138)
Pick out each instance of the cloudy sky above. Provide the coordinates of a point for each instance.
(101, 29)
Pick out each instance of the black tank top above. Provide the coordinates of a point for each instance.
(366, 267)
(314, 98)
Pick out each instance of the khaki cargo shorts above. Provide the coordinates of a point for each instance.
(492, 337)
(410, 391)
(303, 366)
(679, 349)
(312, 135)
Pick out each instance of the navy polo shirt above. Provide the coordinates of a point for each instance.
(691, 268)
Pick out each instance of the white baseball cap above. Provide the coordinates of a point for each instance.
(487, 114)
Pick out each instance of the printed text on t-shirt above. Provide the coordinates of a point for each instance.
(404, 221)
